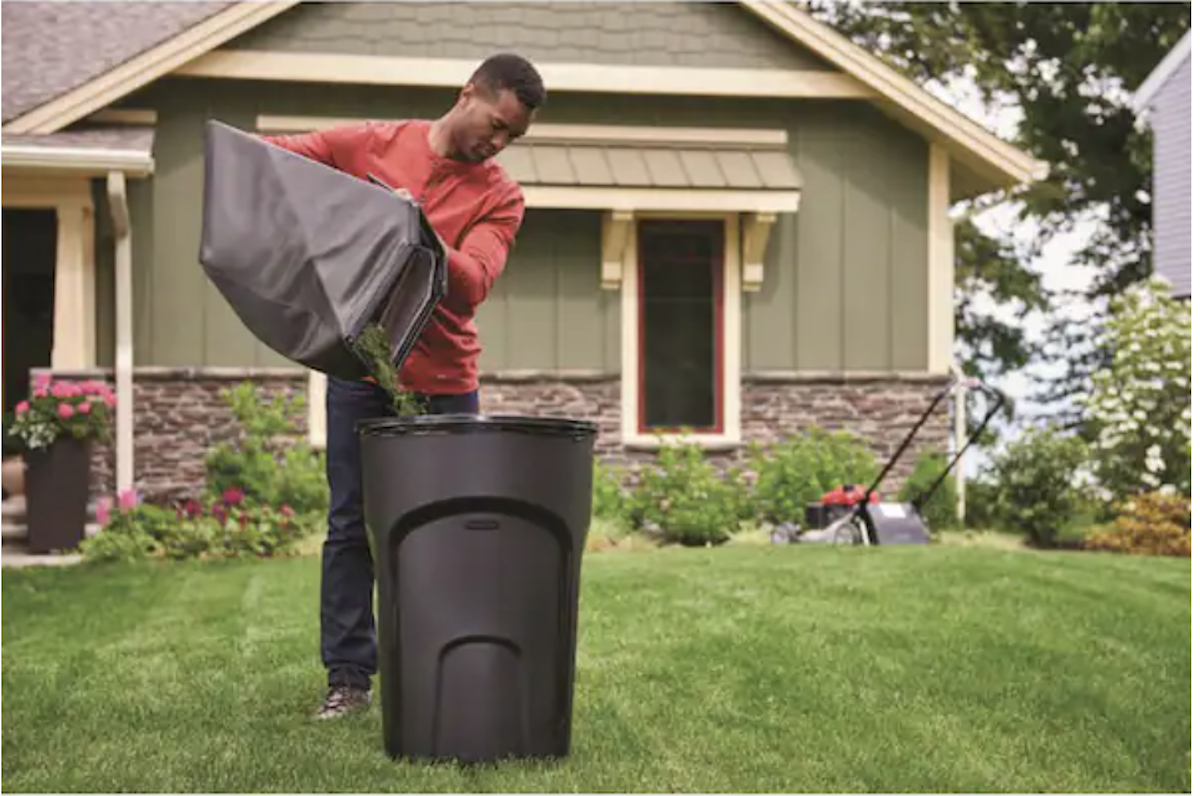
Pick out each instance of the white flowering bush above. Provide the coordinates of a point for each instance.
(1139, 411)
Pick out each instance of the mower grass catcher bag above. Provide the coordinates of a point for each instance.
(308, 256)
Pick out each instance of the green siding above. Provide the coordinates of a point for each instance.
(180, 318)
(547, 310)
(141, 213)
(641, 33)
(845, 280)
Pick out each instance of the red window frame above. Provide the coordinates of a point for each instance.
(715, 230)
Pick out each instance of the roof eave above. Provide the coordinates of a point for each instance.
(996, 160)
(79, 161)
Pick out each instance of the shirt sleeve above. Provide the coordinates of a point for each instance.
(475, 265)
(333, 147)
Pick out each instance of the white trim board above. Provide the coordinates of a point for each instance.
(385, 70)
(1150, 87)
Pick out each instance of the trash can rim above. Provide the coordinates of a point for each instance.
(467, 422)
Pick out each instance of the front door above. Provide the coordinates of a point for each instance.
(30, 253)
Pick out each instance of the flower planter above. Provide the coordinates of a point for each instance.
(56, 494)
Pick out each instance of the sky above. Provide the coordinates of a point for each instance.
(1052, 262)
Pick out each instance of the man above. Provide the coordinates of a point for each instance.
(446, 165)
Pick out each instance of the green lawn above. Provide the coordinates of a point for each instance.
(942, 668)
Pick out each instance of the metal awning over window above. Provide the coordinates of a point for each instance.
(683, 176)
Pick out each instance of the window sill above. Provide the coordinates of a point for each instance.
(708, 442)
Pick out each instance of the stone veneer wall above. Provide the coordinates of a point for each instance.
(179, 414)
(880, 407)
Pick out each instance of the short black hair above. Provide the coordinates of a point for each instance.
(512, 72)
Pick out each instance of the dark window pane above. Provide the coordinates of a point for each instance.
(680, 280)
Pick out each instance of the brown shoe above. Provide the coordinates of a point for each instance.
(343, 700)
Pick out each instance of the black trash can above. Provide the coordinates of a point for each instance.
(477, 526)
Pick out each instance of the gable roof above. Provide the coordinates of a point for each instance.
(1162, 73)
(167, 35)
(72, 43)
(90, 54)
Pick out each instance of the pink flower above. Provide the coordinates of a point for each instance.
(232, 496)
(66, 411)
(286, 510)
(40, 392)
(127, 500)
(103, 510)
(85, 408)
(61, 390)
(109, 399)
(22, 407)
(42, 381)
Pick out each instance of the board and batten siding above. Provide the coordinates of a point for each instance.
(845, 284)
(1171, 118)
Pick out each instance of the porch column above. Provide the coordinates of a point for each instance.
(123, 356)
(74, 287)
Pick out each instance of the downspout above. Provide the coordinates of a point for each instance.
(119, 207)
(960, 438)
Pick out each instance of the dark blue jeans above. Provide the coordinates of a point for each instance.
(348, 646)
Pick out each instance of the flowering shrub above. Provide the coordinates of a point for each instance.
(1139, 411)
(229, 527)
(1153, 523)
(81, 410)
(268, 460)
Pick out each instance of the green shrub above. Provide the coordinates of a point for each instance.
(609, 500)
(269, 461)
(233, 527)
(683, 498)
(1037, 481)
(982, 511)
(797, 471)
(1154, 524)
(940, 509)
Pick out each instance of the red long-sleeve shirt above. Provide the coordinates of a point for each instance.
(475, 208)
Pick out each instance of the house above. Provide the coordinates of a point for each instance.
(742, 156)
(1166, 98)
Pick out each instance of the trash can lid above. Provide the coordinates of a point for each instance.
(467, 423)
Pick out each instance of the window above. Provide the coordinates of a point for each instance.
(681, 289)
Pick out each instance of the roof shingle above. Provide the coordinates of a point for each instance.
(50, 48)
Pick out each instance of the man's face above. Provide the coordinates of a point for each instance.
(488, 123)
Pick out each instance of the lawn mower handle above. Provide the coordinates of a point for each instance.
(998, 403)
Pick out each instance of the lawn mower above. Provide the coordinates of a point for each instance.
(853, 515)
